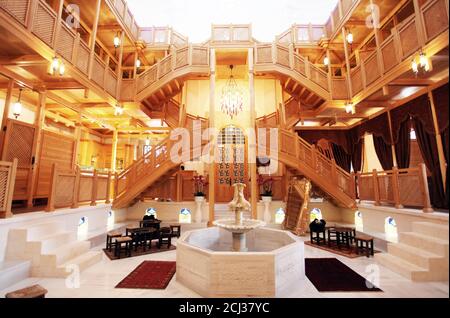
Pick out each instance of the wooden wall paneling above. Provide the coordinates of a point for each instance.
(55, 148)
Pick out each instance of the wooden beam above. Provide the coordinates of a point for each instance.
(93, 38)
(6, 109)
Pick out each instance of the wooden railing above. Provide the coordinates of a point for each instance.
(162, 36)
(297, 152)
(231, 33)
(7, 181)
(179, 59)
(70, 189)
(42, 21)
(123, 13)
(343, 10)
(303, 34)
(398, 187)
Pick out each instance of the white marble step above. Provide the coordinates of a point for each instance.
(431, 229)
(80, 263)
(400, 266)
(416, 256)
(425, 242)
(13, 272)
(38, 231)
(64, 253)
(53, 241)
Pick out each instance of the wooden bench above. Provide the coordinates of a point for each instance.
(35, 291)
(364, 243)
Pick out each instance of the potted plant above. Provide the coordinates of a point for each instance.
(200, 184)
(265, 185)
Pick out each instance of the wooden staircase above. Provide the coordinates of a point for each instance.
(306, 160)
(297, 213)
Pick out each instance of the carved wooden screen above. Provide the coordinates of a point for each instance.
(55, 148)
(297, 214)
(231, 167)
(19, 144)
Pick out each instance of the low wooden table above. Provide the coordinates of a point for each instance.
(364, 243)
(128, 241)
(36, 291)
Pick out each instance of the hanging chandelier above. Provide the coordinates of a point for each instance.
(232, 101)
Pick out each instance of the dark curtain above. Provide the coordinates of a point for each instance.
(445, 144)
(403, 145)
(428, 149)
(357, 145)
(341, 157)
(384, 152)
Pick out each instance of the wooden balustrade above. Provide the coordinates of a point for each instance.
(7, 181)
(70, 189)
(231, 33)
(397, 187)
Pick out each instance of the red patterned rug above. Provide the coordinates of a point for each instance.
(150, 275)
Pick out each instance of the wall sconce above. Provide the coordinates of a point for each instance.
(17, 107)
(118, 110)
(326, 61)
(350, 108)
(422, 66)
(57, 66)
(116, 41)
(350, 37)
(138, 63)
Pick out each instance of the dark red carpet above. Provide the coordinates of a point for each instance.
(150, 275)
(331, 275)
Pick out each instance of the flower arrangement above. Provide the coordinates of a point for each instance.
(265, 185)
(200, 184)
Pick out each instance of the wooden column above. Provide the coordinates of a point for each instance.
(442, 161)
(254, 199)
(212, 163)
(423, 184)
(347, 64)
(93, 37)
(119, 66)
(376, 189)
(114, 150)
(39, 123)
(391, 133)
(8, 102)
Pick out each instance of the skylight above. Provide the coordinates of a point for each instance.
(193, 18)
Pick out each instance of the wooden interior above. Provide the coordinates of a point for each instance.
(101, 130)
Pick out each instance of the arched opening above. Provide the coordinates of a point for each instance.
(151, 212)
(185, 216)
(111, 220)
(359, 221)
(83, 227)
(390, 229)
(316, 213)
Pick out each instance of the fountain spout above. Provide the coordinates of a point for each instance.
(239, 203)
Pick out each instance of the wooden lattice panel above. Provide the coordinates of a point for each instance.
(199, 56)
(409, 187)
(340, 90)
(436, 19)
(135, 30)
(385, 188)
(221, 34)
(98, 71)
(365, 186)
(182, 58)
(85, 194)
(356, 78)
(102, 186)
(371, 69)
(336, 16)
(120, 7)
(83, 58)
(16, 8)
(299, 64)
(20, 143)
(111, 83)
(4, 174)
(64, 191)
(127, 90)
(408, 38)
(44, 24)
(389, 54)
(319, 77)
(147, 78)
(264, 54)
(346, 4)
(241, 34)
(329, 28)
(65, 42)
(282, 56)
(128, 19)
(165, 66)
(297, 214)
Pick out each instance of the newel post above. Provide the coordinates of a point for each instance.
(108, 188)
(396, 189)
(376, 189)
(76, 188)
(116, 185)
(94, 188)
(52, 191)
(353, 191)
(423, 183)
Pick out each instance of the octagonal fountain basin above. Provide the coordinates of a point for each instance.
(273, 266)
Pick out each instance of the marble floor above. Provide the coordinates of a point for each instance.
(99, 280)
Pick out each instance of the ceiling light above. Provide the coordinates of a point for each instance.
(17, 107)
(414, 66)
(55, 65)
(118, 110)
(424, 63)
(350, 108)
(422, 66)
(232, 101)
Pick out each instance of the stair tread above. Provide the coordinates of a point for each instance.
(407, 266)
(66, 246)
(415, 250)
(52, 236)
(426, 237)
(439, 226)
(81, 258)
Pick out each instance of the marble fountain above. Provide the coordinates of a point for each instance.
(240, 257)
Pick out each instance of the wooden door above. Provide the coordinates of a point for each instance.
(19, 141)
(232, 165)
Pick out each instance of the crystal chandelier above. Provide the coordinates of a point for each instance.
(232, 100)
